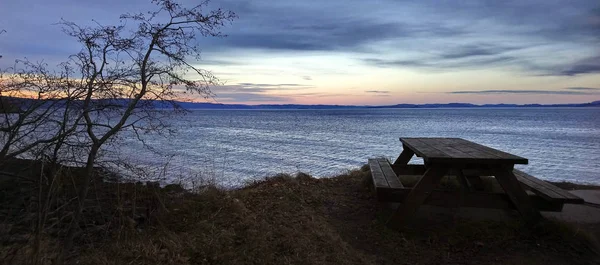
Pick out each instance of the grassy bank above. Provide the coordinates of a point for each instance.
(281, 220)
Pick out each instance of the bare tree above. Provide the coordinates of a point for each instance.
(1, 31)
(33, 101)
(126, 72)
(121, 80)
(32, 98)
(36, 117)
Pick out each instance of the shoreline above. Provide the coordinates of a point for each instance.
(20, 164)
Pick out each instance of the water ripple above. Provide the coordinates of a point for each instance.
(237, 146)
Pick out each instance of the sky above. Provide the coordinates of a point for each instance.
(376, 52)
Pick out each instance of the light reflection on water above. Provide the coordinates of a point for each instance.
(234, 146)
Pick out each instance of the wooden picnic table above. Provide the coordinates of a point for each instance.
(442, 155)
(468, 161)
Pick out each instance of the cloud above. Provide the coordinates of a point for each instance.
(342, 34)
(378, 91)
(336, 25)
(219, 62)
(539, 20)
(278, 86)
(308, 78)
(584, 88)
(250, 97)
(256, 92)
(469, 51)
(314, 26)
(585, 66)
(532, 37)
(318, 94)
(538, 92)
(466, 56)
(488, 56)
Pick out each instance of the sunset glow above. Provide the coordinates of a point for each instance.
(363, 53)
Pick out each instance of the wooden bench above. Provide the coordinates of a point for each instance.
(389, 188)
(546, 190)
(383, 175)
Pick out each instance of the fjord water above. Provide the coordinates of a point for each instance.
(232, 147)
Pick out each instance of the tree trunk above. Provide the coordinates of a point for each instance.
(82, 195)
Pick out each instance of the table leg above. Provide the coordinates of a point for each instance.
(404, 157)
(417, 196)
(462, 180)
(517, 195)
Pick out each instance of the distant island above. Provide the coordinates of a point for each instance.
(197, 105)
(13, 104)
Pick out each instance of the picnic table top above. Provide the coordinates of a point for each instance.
(459, 151)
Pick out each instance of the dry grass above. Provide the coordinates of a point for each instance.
(293, 220)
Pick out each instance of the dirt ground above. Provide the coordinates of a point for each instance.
(301, 220)
(442, 236)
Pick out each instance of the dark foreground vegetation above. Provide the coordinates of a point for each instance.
(281, 220)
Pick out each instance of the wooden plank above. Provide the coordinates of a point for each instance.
(458, 151)
(545, 189)
(445, 198)
(496, 152)
(431, 147)
(480, 152)
(417, 196)
(422, 149)
(462, 162)
(450, 147)
(377, 174)
(389, 174)
(433, 153)
(404, 157)
(467, 147)
(479, 161)
(540, 190)
(444, 145)
(560, 192)
(517, 195)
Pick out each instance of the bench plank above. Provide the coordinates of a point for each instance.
(377, 174)
(545, 189)
(389, 174)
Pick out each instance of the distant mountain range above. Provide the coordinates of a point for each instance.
(10, 104)
(193, 105)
